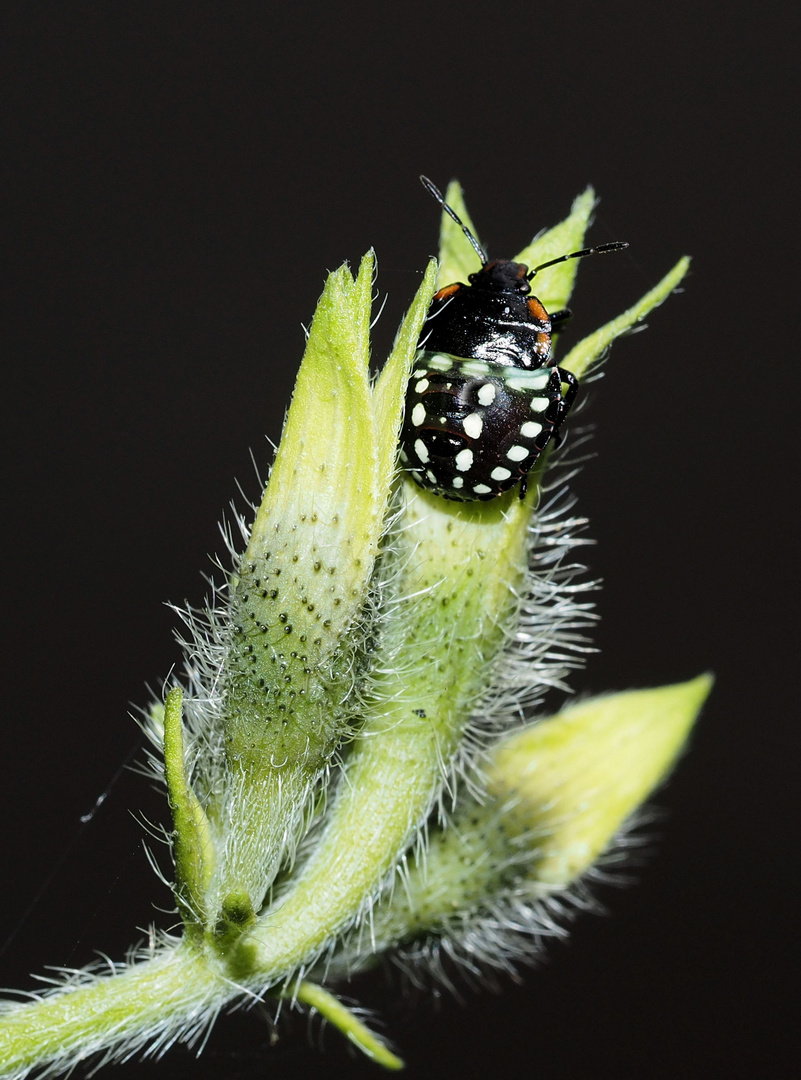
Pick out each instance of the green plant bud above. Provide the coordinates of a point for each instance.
(303, 578)
(573, 780)
(558, 792)
(301, 614)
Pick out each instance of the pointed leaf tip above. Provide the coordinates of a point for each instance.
(588, 352)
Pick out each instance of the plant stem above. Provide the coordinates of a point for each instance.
(131, 1009)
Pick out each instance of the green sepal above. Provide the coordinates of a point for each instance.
(335, 1012)
(193, 851)
(555, 285)
(581, 357)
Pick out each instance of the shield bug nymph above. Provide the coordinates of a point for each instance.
(485, 397)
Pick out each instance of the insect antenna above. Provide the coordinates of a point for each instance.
(616, 245)
(434, 190)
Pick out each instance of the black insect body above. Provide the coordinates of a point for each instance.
(485, 399)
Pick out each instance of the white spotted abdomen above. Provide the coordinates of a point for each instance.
(473, 429)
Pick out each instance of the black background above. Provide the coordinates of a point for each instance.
(181, 177)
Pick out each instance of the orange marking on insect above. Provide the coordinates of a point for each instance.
(537, 310)
(449, 290)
